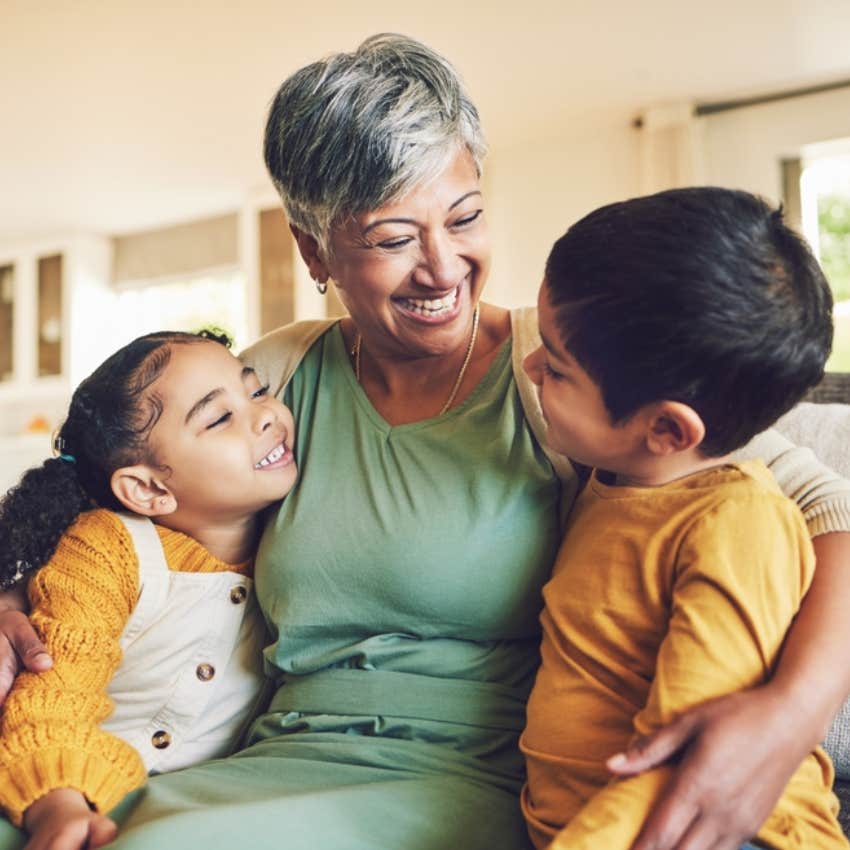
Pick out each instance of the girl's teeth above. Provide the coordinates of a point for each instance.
(275, 454)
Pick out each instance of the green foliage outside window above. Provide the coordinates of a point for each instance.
(834, 226)
(834, 237)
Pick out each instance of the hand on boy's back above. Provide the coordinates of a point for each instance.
(62, 820)
(736, 754)
(20, 647)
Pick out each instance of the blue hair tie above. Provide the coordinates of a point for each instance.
(68, 458)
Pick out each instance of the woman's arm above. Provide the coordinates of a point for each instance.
(20, 647)
(740, 750)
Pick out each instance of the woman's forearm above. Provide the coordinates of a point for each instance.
(20, 646)
(14, 599)
(808, 677)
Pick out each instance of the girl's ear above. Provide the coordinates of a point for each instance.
(142, 491)
(308, 247)
(673, 427)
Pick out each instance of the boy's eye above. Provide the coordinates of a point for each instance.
(262, 391)
(220, 421)
(548, 370)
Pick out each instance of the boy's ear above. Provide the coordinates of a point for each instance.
(308, 247)
(141, 490)
(673, 427)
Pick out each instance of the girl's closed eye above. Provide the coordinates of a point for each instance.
(225, 417)
(262, 391)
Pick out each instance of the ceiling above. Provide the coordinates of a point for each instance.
(117, 116)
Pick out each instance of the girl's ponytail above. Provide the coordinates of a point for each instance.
(35, 514)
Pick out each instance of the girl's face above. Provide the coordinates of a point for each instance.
(411, 272)
(224, 443)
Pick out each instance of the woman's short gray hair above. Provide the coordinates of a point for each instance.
(356, 130)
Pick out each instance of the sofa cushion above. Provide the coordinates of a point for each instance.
(825, 428)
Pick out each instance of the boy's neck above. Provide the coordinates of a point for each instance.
(233, 541)
(656, 471)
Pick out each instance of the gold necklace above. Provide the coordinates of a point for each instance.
(355, 353)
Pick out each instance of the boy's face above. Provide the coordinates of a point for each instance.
(578, 423)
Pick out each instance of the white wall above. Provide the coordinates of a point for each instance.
(743, 148)
(534, 192)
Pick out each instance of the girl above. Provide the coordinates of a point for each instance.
(147, 615)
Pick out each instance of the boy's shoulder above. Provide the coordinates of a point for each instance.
(741, 489)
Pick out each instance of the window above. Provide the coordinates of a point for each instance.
(825, 209)
(214, 299)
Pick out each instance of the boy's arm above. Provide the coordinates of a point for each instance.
(739, 751)
(737, 585)
(51, 738)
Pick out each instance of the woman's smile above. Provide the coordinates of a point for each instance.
(434, 309)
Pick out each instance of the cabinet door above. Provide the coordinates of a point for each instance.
(50, 315)
(7, 321)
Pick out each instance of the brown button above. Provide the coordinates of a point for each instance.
(205, 672)
(161, 739)
(238, 594)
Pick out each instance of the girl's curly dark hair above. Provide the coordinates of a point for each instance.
(108, 423)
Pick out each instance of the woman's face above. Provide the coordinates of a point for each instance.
(411, 272)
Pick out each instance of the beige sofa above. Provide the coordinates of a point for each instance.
(822, 423)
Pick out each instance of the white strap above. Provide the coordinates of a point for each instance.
(153, 573)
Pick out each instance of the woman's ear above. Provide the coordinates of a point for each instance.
(308, 247)
(673, 427)
(142, 491)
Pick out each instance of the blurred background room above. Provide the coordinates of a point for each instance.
(133, 195)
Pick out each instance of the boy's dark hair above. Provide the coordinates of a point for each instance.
(702, 296)
(108, 422)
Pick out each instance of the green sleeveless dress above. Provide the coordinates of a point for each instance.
(401, 583)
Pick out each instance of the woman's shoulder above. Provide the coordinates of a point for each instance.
(277, 354)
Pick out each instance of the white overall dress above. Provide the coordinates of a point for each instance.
(191, 677)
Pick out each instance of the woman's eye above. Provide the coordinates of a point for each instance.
(548, 370)
(220, 421)
(468, 219)
(395, 243)
(262, 391)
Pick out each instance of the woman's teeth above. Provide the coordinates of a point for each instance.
(431, 306)
(275, 454)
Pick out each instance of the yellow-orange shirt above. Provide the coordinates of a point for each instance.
(660, 599)
(81, 601)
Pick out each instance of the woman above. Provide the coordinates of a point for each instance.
(401, 577)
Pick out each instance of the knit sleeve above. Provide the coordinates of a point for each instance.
(81, 601)
(821, 494)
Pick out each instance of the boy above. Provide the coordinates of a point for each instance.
(675, 327)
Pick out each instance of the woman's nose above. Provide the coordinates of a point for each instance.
(441, 266)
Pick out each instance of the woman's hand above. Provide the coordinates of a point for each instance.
(738, 753)
(62, 820)
(20, 647)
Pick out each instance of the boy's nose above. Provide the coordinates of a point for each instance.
(533, 365)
